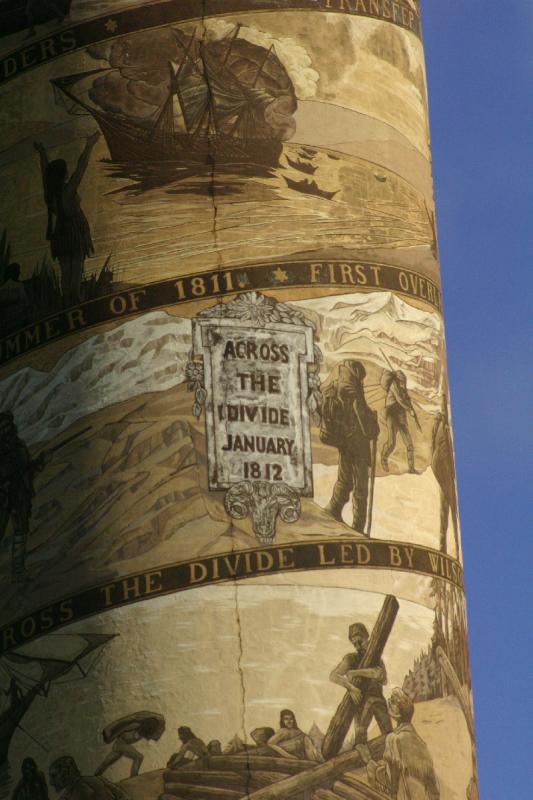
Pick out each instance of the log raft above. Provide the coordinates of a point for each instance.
(263, 780)
(249, 776)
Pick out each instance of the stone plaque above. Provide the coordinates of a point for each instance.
(257, 354)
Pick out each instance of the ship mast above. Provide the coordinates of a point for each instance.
(257, 76)
(230, 46)
(52, 670)
(165, 118)
(263, 65)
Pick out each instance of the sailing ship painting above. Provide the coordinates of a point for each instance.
(228, 101)
(32, 672)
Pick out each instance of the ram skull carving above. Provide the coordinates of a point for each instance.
(263, 502)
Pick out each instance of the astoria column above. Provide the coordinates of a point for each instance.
(229, 538)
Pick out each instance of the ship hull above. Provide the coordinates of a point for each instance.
(128, 144)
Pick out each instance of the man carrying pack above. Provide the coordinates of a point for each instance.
(125, 733)
(397, 405)
(351, 426)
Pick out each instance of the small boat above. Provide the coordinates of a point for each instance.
(13, 18)
(309, 187)
(334, 158)
(303, 166)
(309, 150)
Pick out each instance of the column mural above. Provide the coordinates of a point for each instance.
(229, 538)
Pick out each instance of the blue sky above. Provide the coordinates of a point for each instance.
(480, 70)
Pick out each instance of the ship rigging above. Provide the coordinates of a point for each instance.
(228, 101)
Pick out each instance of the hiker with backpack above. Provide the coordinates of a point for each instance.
(350, 425)
(397, 405)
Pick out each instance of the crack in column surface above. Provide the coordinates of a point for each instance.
(242, 683)
(210, 160)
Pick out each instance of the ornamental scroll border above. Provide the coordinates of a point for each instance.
(152, 296)
(167, 579)
(106, 27)
(247, 497)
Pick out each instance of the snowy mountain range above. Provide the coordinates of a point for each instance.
(146, 354)
(149, 354)
(382, 330)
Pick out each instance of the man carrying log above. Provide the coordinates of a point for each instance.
(368, 700)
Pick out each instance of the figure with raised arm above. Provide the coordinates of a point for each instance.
(68, 230)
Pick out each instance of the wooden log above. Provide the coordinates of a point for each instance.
(260, 778)
(458, 691)
(249, 763)
(355, 779)
(244, 781)
(189, 791)
(354, 789)
(319, 775)
(340, 723)
(227, 780)
(325, 794)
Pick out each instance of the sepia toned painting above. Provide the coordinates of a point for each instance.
(171, 725)
(229, 531)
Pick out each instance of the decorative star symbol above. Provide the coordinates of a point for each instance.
(111, 25)
(280, 275)
(242, 280)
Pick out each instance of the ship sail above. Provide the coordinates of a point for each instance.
(33, 675)
(65, 94)
(227, 99)
(192, 91)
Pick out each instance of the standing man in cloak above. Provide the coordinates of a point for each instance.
(442, 465)
(407, 771)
